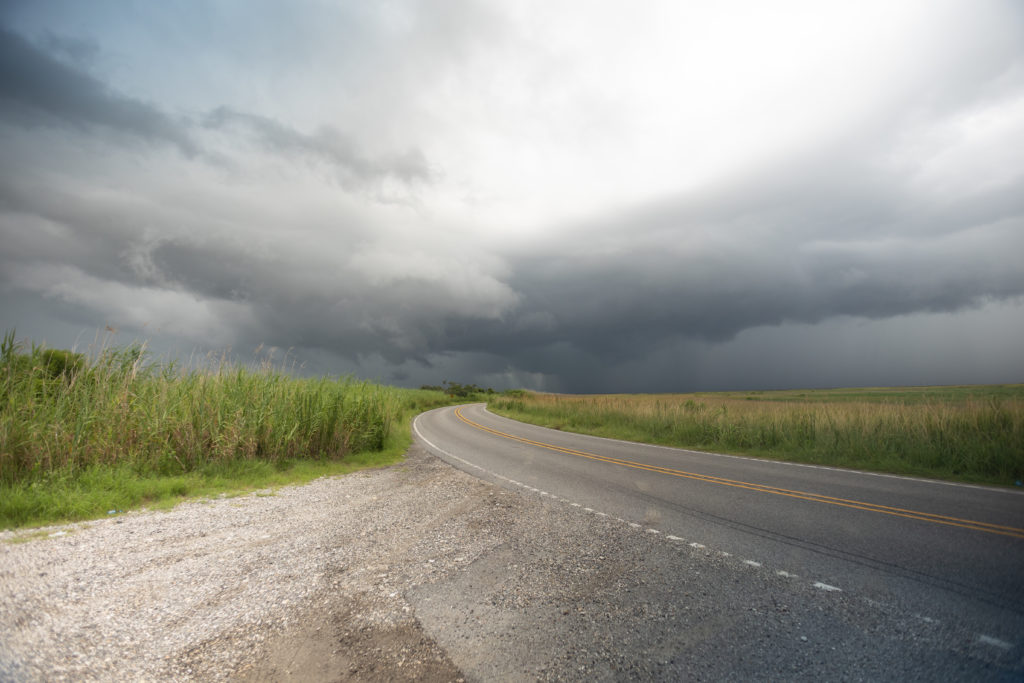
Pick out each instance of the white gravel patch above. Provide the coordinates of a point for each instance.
(191, 593)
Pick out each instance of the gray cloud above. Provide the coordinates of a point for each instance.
(825, 262)
(323, 303)
(825, 239)
(327, 144)
(596, 306)
(126, 261)
(37, 89)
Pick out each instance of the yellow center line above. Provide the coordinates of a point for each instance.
(1003, 530)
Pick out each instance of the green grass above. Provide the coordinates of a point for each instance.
(963, 433)
(80, 437)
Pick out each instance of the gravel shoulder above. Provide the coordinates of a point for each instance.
(422, 572)
(304, 583)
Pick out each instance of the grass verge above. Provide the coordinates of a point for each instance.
(102, 490)
(968, 433)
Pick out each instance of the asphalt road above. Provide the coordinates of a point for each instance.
(925, 554)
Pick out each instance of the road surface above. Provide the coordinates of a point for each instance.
(927, 554)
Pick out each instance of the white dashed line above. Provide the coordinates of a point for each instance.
(826, 587)
(982, 638)
(988, 640)
(994, 642)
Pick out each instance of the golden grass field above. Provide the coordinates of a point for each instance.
(972, 433)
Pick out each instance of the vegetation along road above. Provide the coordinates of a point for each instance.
(911, 575)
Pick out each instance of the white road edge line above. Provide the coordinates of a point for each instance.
(994, 642)
(826, 587)
(988, 640)
(982, 638)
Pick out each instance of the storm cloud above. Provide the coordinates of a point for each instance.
(38, 89)
(327, 144)
(656, 198)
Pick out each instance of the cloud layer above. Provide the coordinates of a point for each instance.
(637, 199)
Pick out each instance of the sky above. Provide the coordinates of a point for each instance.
(562, 196)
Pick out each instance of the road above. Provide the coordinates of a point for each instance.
(925, 553)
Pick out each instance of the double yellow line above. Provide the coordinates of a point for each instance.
(1013, 532)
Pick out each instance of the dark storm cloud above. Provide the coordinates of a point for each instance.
(37, 89)
(827, 241)
(327, 144)
(69, 49)
(626, 301)
(585, 305)
(291, 296)
(52, 225)
(207, 271)
(325, 304)
(245, 227)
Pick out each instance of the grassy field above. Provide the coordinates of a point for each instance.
(81, 437)
(963, 433)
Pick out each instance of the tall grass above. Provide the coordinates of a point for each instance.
(973, 434)
(116, 409)
(72, 426)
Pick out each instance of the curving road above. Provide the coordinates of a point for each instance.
(933, 552)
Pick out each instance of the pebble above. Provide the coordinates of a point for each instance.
(191, 593)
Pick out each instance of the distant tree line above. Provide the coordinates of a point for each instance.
(457, 390)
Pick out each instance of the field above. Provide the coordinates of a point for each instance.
(84, 436)
(962, 433)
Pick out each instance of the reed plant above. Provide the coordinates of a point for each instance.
(960, 433)
(81, 432)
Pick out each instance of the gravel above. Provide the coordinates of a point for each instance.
(422, 572)
(210, 589)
